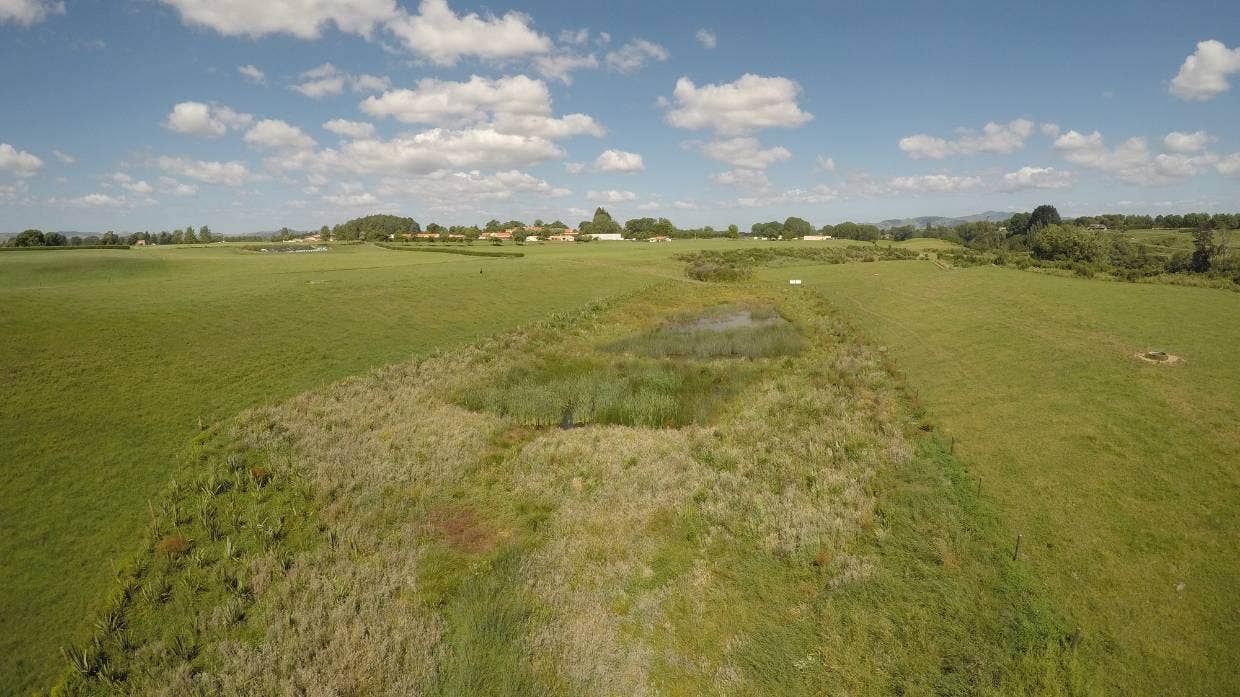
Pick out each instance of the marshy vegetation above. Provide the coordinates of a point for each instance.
(738, 264)
(814, 536)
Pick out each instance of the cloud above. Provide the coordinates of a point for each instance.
(611, 196)
(444, 102)
(1229, 166)
(168, 185)
(824, 163)
(443, 37)
(206, 120)
(706, 37)
(548, 127)
(750, 103)
(744, 179)
(64, 157)
(18, 162)
(274, 134)
(1130, 161)
(936, 184)
(517, 105)
(28, 12)
(575, 37)
(352, 200)
(16, 194)
(305, 19)
(560, 67)
(1036, 178)
(634, 56)
(209, 172)
(1003, 139)
(94, 201)
(574, 167)
(350, 129)
(742, 152)
(444, 149)
(619, 161)
(1183, 143)
(137, 186)
(1205, 71)
(454, 188)
(253, 74)
(328, 81)
(1050, 130)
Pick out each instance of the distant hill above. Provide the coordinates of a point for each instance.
(937, 220)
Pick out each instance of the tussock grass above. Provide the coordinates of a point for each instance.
(810, 538)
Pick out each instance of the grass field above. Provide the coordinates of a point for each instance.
(812, 537)
(1120, 475)
(110, 360)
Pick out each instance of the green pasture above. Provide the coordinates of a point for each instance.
(1119, 475)
(110, 360)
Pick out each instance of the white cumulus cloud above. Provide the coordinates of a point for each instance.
(64, 157)
(619, 161)
(706, 38)
(350, 129)
(611, 196)
(998, 138)
(304, 19)
(634, 56)
(1229, 166)
(1036, 178)
(253, 74)
(444, 102)
(443, 37)
(1205, 72)
(742, 151)
(328, 81)
(206, 120)
(18, 162)
(744, 179)
(562, 66)
(274, 134)
(1185, 143)
(1131, 161)
(232, 173)
(28, 12)
(750, 103)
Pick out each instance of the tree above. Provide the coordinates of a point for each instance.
(1066, 243)
(601, 224)
(75, 241)
(1206, 250)
(325, 233)
(204, 234)
(734, 232)
(189, 237)
(1042, 216)
(109, 237)
(54, 239)
(29, 238)
(794, 228)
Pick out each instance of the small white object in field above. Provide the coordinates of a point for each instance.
(794, 281)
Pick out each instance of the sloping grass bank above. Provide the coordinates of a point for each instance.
(813, 536)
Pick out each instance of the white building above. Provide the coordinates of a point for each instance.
(609, 237)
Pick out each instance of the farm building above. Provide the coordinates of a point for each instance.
(609, 237)
(817, 238)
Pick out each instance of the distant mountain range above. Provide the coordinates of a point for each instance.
(936, 220)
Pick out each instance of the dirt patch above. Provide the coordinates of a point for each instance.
(464, 530)
(1159, 357)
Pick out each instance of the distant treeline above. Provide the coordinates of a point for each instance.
(38, 238)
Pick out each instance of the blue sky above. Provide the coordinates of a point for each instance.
(155, 114)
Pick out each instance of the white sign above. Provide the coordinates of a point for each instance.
(794, 281)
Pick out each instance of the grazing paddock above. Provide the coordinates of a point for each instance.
(1120, 474)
